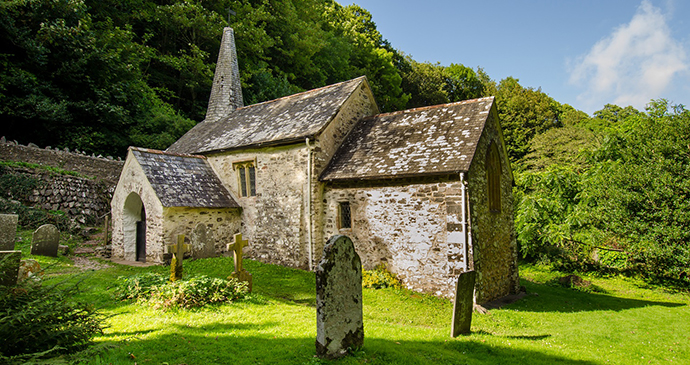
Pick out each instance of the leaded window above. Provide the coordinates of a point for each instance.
(247, 178)
(493, 178)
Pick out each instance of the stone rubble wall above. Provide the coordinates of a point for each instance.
(494, 242)
(412, 228)
(82, 199)
(103, 168)
(274, 220)
(223, 222)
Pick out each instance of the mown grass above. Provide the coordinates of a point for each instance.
(623, 321)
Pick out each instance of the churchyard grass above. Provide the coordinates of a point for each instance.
(620, 321)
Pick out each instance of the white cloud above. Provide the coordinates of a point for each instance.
(633, 65)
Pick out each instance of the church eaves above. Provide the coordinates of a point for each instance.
(285, 120)
(433, 140)
(183, 180)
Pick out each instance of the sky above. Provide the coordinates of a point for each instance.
(586, 53)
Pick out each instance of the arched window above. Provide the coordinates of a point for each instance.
(493, 178)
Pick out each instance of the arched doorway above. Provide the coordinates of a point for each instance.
(134, 228)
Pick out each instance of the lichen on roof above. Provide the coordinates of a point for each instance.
(288, 119)
(432, 140)
(183, 180)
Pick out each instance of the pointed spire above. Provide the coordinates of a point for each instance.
(226, 93)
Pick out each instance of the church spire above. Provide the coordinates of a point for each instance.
(226, 93)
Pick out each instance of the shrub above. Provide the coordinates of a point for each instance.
(138, 286)
(379, 278)
(37, 319)
(194, 292)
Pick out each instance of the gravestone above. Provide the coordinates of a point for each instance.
(8, 231)
(45, 241)
(339, 322)
(203, 243)
(464, 302)
(9, 267)
(177, 250)
(240, 273)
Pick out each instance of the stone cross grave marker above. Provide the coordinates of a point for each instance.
(8, 231)
(9, 267)
(339, 321)
(240, 273)
(463, 304)
(203, 243)
(178, 251)
(45, 241)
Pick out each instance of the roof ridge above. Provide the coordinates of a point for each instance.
(429, 107)
(159, 152)
(296, 94)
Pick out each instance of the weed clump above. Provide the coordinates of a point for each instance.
(198, 291)
(380, 278)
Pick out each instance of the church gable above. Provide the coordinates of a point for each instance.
(183, 180)
(282, 121)
(433, 140)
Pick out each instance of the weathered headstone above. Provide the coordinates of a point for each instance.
(178, 251)
(29, 268)
(464, 302)
(339, 322)
(203, 243)
(8, 231)
(45, 241)
(9, 267)
(240, 273)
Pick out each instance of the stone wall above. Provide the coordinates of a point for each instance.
(132, 193)
(413, 228)
(103, 168)
(274, 220)
(181, 220)
(493, 233)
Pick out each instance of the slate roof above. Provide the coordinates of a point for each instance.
(284, 120)
(183, 180)
(424, 141)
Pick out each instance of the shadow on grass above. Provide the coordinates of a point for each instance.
(555, 298)
(215, 344)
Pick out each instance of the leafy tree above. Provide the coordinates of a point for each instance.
(524, 113)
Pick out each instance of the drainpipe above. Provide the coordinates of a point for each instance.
(463, 190)
(309, 215)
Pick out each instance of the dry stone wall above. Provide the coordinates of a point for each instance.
(96, 167)
(84, 198)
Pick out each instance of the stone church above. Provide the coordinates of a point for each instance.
(426, 191)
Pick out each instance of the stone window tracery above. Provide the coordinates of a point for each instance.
(246, 173)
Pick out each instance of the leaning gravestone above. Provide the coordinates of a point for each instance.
(339, 323)
(464, 302)
(8, 231)
(9, 267)
(46, 240)
(203, 244)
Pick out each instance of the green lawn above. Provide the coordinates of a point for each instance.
(624, 322)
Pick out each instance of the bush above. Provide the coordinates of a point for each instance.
(194, 292)
(379, 278)
(38, 319)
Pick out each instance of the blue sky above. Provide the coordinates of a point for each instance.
(585, 53)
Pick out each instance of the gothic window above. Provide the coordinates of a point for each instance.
(247, 178)
(344, 215)
(493, 178)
